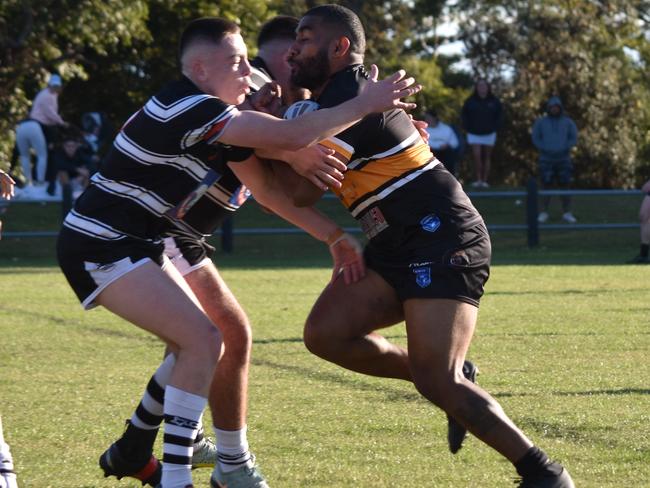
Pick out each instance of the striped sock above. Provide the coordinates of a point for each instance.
(183, 412)
(232, 449)
(149, 414)
(136, 444)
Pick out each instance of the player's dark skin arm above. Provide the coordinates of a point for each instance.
(302, 192)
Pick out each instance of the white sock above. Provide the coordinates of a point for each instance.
(183, 412)
(232, 449)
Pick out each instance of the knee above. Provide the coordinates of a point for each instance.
(437, 387)
(206, 346)
(318, 337)
(238, 338)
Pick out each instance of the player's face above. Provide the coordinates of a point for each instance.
(308, 57)
(228, 71)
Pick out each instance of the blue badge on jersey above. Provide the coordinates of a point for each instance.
(422, 276)
(430, 223)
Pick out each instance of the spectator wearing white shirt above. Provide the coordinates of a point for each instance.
(442, 140)
(30, 133)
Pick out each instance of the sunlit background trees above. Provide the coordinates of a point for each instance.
(593, 54)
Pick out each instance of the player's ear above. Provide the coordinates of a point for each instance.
(341, 47)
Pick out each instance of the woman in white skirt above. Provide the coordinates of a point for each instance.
(481, 117)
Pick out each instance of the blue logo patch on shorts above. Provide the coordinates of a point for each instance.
(430, 223)
(422, 276)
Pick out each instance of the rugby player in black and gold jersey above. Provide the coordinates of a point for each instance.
(428, 252)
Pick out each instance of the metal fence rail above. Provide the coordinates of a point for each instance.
(532, 227)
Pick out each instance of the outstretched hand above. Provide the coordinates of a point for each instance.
(347, 254)
(387, 93)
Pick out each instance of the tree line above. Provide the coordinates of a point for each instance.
(593, 54)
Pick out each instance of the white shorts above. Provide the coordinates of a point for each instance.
(482, 140)
(185, 259)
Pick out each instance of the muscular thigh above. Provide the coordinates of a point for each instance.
(439, 332)
(356, 309)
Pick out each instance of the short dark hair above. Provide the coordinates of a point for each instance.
(432, 113)
(206, 29)
(344, 18)
(280, 27)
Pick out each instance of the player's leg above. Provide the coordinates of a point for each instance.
(340, 327)
(229, 390)
(132, 454)
(156, 300)
(439, 333)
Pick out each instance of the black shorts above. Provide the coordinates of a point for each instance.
(454, 267)
(91, 264)
(186, 251)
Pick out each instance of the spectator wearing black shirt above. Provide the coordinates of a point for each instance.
(482, 118)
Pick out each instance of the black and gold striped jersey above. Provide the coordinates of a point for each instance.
(391, 170)
(384, 151)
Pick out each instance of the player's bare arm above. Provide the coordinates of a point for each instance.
(259, 130)
(265, 186)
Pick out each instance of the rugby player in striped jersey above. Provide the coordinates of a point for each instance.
(165, 158)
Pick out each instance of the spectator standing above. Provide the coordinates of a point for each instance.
(481, 117)
(442, 140)
(554, 135)
(34, 132)
(644, 218)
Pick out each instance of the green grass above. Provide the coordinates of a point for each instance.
(562, 343)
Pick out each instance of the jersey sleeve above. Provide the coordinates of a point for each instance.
(212, 116)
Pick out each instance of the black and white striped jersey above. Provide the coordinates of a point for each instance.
(166, 167)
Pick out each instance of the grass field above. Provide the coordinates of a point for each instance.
(563, 343)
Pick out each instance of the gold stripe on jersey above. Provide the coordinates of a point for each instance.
(387, 174)
(341, 147)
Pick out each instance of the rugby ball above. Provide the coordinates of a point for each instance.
(302, 107)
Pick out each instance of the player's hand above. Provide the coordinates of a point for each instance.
(319, 165)
(267, 99)
(386, 94)
(6, 185)
(421, 127)
(347, 254)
